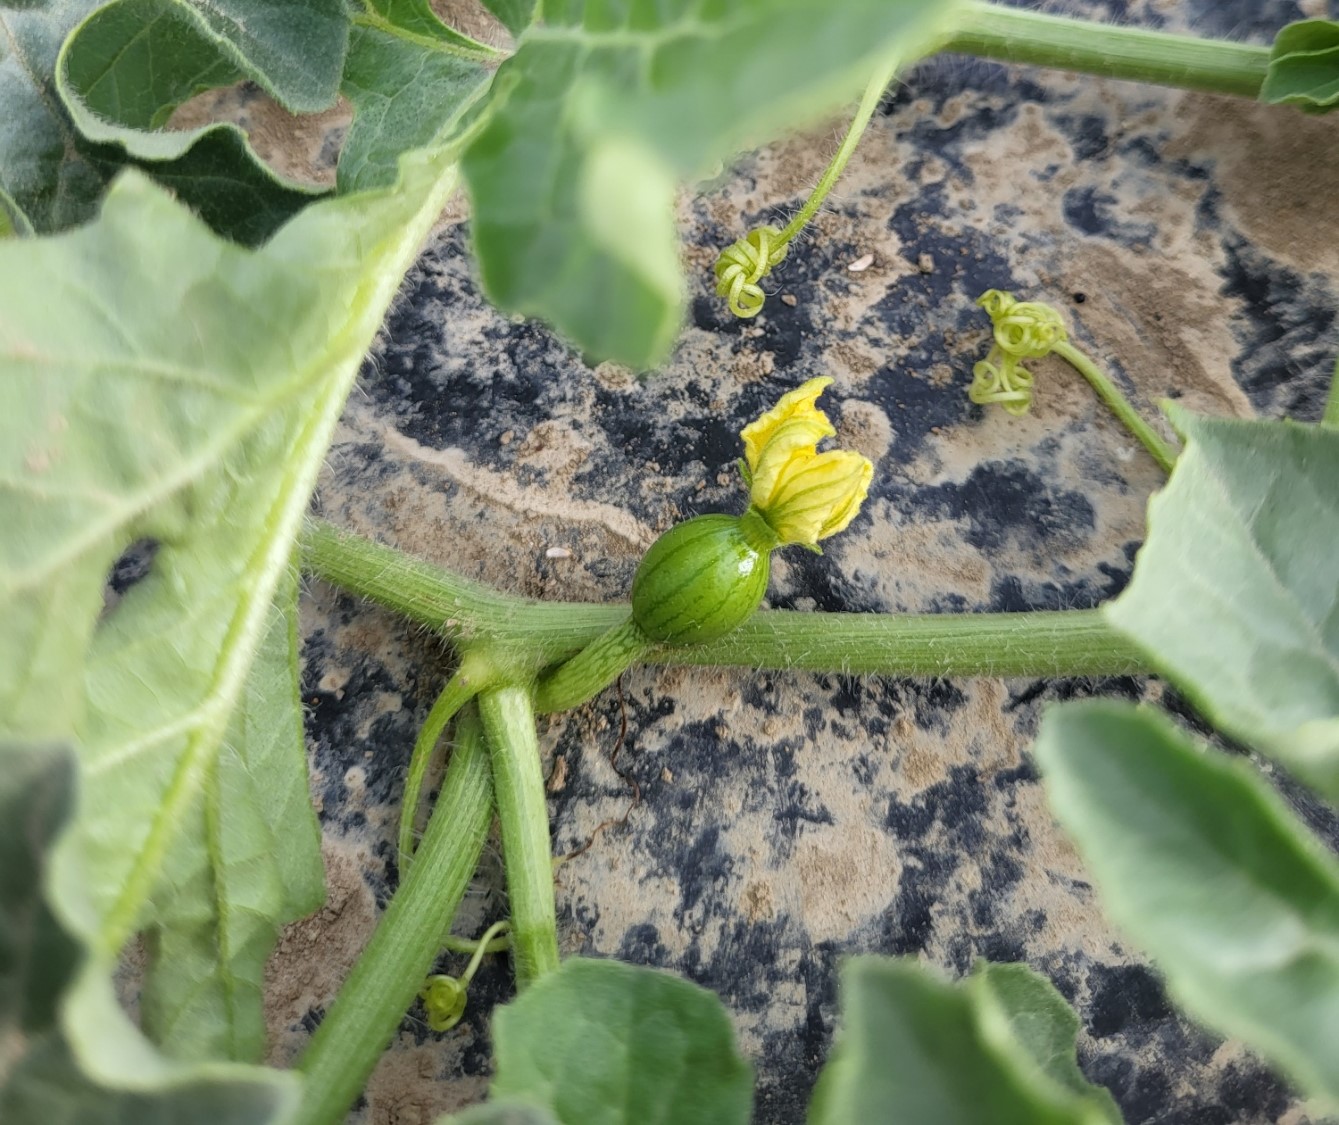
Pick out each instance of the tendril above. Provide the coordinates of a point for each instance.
(1022, 330)
(444, 997)
(745, 263)
(742, 265)
(1031, 330)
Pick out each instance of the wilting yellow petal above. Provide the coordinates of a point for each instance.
(795, 408)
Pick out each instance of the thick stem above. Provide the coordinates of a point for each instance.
(466, 613)
(1119, 405)
(1020, 36)
(523, 817)
(1062, 643)
(593, 669)
(390, 971)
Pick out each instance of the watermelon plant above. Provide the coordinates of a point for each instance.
(180, 328)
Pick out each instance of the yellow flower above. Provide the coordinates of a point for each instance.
(803, 495)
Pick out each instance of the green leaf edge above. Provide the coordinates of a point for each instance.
(162, 146)
(1277, 816)
(1277, 90)
(1186, 423)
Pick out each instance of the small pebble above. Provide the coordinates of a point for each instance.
(557, 553)
(506, 437)
(788, 299)
(861, 264)
(926, 263)
(558, 778)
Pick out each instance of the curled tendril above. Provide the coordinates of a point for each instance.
(1007, 383)
(743, 264)
(1022, 330)
(444, 997)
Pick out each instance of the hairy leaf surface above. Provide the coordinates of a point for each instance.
(1235, 596)
(604, 1043)
(997, 1049)
(162, 384)
(254, 845)
(1202, 864)
(605, 107)
(409, 78)
(106, 1074)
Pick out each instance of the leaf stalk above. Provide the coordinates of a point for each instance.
(1016, 35)
(523, 817)
(384, 982)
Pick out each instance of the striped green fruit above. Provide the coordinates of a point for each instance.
(702, 578)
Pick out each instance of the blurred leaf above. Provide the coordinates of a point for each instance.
(249, 862)
(410, 79)
(995, 1050)
(1022, 1017)
(501, 1113)
(108, 1074)
(603, 1043)
(1304, 66)
(1235, 596)
(47, 171)
(12, 220)
(1202, 864)
(514, 15)
(604, 107)
(162, 384)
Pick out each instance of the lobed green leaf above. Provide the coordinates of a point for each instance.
(604, 107)
(604, 1043)
(83, 84)
(48, 174)
(1304, 66)
(1202, 864)
(134, 61)
(104, 1073)
(1235, 596)
(994, 1050)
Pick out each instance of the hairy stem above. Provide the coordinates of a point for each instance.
(390, 971)
(474, 674)
(1067, 643)
(1119, 405)
(523, 817)
(1020, 36)
(868, 104)
(593, 669)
